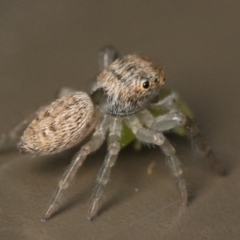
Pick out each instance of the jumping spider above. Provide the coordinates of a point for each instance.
(125, 91)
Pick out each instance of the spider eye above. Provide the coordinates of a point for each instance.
(146, 85)
(156, 80)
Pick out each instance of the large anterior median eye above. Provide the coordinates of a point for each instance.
(145, 85)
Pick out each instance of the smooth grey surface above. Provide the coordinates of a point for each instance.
(45, 45)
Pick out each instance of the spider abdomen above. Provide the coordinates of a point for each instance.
(60, 125)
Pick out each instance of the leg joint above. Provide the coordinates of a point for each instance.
(168, 148)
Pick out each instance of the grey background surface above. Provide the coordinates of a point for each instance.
(45, 45)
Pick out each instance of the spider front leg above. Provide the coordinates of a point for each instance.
(168, 102)
(194, 135)
(109, 161)
(91, 146)
(176, 118)
(163, 122)
(154, 137)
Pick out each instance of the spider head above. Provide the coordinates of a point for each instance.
(128, 85)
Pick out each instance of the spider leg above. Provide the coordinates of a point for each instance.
(154, 137)
(9, 140)
(194, 135)
(164, 122)
(65, 91)
(168, 102)
(106, 56)
(109, 161)
(91, 146)
(176, 118)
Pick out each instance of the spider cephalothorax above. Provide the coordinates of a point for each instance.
(123, 93)
(129, 85)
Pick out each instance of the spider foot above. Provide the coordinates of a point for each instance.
(43, 219)
(216, 164)
(181, 185)
(53, 205)
(93, 210)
